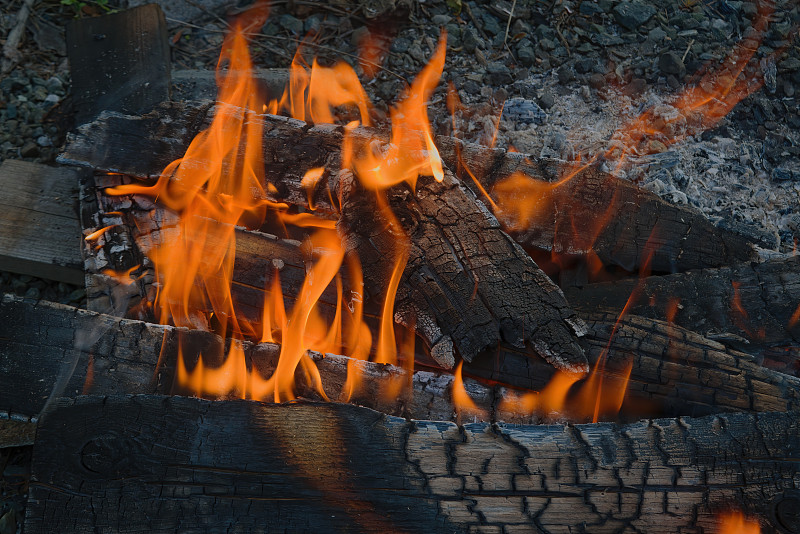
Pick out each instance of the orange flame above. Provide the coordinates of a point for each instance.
(411, 152)
(795, 318)
(737, 523)
(740, 315)
(461, 400)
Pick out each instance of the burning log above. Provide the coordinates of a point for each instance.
(748, 305)
(459, 258)
(160, 464)
(611, 216)
(53, 347)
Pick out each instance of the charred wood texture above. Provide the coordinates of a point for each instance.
(616, 216)
(748, 305)
(52, 347)
(159, 464)
(595, 210)
(459, 259)
(674, 371)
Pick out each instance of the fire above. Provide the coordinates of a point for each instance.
(740, 316)
(220, 184)
(737, 523)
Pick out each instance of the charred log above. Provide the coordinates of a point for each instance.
(56, 348)
(159, 464)
(749, 306)
(458, 259)
(686, 239)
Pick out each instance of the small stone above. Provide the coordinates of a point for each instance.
(491, 25)
(32, 293)
(470, 40)
(565, 75)
(292, 24)
(632, 15)
(11, 111)
(44, 141)
(441, 20)
(636, 87)
(29, 150)
(55, 85)
(657, 34)
(671, 63)
(589, 9)
(526, 55)
(77, 295)
(499, 73)
(597, 81)
(606, 39)
(400, 45)
(547, 100)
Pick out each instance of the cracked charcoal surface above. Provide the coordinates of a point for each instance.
(395, 474)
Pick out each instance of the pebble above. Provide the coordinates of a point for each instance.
(632, 15)
(671, 63)
(292, 24)
(29, 150)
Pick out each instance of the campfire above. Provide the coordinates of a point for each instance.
(307, 314)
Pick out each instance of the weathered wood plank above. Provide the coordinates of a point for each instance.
(119, 62)
(39, 228)
(160, 464)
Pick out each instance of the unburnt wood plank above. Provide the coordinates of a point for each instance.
(159, 464)
(119, 62)
(39, 228)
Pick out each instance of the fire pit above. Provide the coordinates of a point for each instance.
(306, 314)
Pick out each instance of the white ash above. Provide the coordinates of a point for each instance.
(723, 174)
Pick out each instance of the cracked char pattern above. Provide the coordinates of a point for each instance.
(157, 464)
(462, 269)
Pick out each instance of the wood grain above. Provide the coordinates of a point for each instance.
(39, 230)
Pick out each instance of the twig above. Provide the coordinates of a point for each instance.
(11, 54)
(691, 42)
(508, 24)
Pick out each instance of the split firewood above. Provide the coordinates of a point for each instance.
(672, 369)
(460, 257)
(613, 217)
(749, 305)
(58, 350)
(623, 224)
(141, 463)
